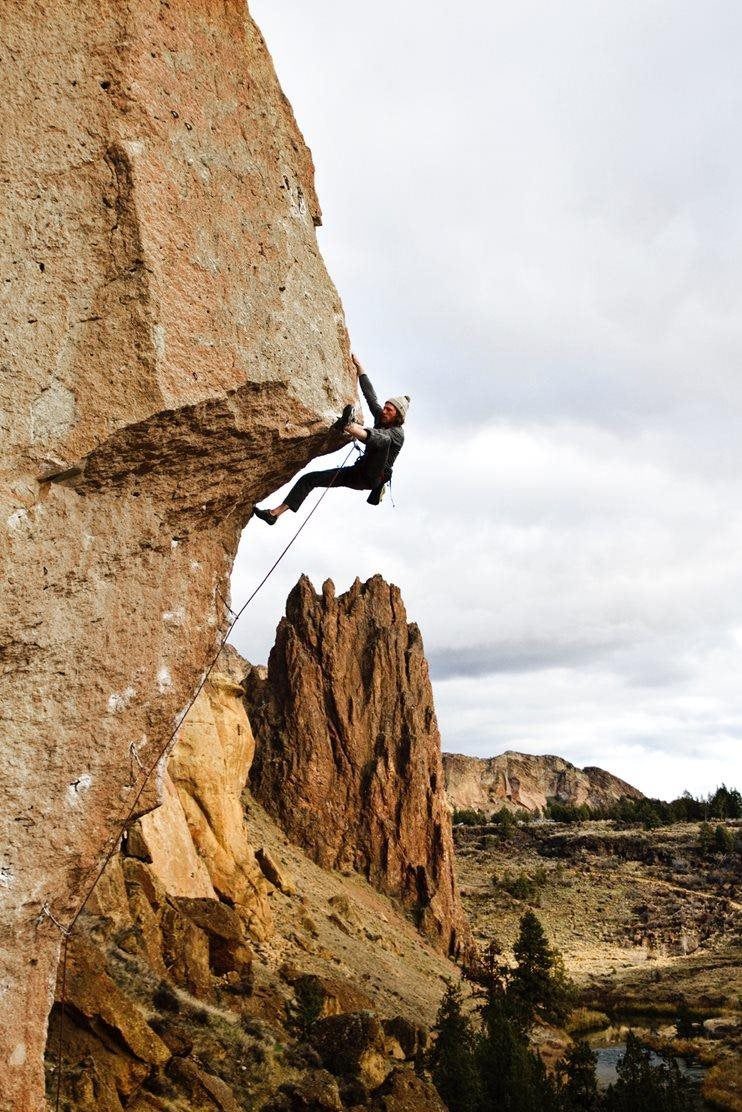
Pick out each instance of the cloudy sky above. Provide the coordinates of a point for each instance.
(532, 214)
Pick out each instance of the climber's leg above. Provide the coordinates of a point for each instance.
(343, 477)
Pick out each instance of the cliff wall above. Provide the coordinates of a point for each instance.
(348, 751)
(526, 782)
(172, 350)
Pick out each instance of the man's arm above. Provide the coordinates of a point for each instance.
(374, 437)
(368, 391)
(378, 437)
(356, 432)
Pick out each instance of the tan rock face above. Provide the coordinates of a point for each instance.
(522, 781)
(198, 841)
(172, 349)
(348, 750)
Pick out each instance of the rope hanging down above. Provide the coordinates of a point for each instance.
(66, 930)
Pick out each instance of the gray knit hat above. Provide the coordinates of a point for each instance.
(401, 404)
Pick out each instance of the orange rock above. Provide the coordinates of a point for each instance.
(198, 840)
(95, 995)
(348, 757)
(404, 1091)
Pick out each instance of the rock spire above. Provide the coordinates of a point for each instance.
(348, 751)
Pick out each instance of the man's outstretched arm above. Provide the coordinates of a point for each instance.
(368, 391)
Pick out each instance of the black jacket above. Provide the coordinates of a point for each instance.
(383, 444)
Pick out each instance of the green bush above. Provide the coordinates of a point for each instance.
(723, 840)
(469, 817)
(306, 1007)
(523, 886)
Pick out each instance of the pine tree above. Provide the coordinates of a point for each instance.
(578, 1083)
(513, 1077)
(651, 1088)
(705, 838)
(538, 985)
(452, 1059)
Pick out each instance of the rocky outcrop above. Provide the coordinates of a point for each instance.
(197, 842)
(176, 911)
(348, 750)
(520, 781)
(172, 350)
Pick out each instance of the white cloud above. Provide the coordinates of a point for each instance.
(531, 212)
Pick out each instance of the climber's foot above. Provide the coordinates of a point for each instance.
(265, 515)
(345, 419)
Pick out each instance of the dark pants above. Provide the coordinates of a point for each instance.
(354, 477)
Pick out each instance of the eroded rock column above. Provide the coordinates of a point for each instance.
(172, 349)
(348, 753)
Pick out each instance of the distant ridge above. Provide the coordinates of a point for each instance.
(521, 781)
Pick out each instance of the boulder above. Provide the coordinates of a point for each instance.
(274, 873)
(410, 1038)
(352, 1044)
(228, 950)
(92, 993)
(404, 1091)
(315, 1091)
(185, 952)
(204, 1089)
(337, 995)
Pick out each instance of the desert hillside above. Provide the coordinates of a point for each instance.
(228, 959)
(647, 921)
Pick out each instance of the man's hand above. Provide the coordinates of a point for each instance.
(357, 365)
(356, 432)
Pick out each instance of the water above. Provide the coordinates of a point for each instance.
(610, 1045)
(608, 1056)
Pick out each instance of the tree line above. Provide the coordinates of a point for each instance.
(724, 803)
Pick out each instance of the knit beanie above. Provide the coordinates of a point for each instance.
(401, 404)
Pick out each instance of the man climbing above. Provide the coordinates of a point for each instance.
(371, 470)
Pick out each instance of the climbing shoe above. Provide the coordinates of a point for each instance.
(265, 515)
(376, 494)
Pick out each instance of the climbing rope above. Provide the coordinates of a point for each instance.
(66, 929)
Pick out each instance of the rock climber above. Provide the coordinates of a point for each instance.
(372, 470)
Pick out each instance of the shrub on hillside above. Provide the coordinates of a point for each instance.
(467, 816)
(523, 886)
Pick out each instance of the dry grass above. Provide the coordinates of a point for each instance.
(583, 1020)
(721, 1086)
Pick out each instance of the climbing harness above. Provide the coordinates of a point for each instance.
(66, 929)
